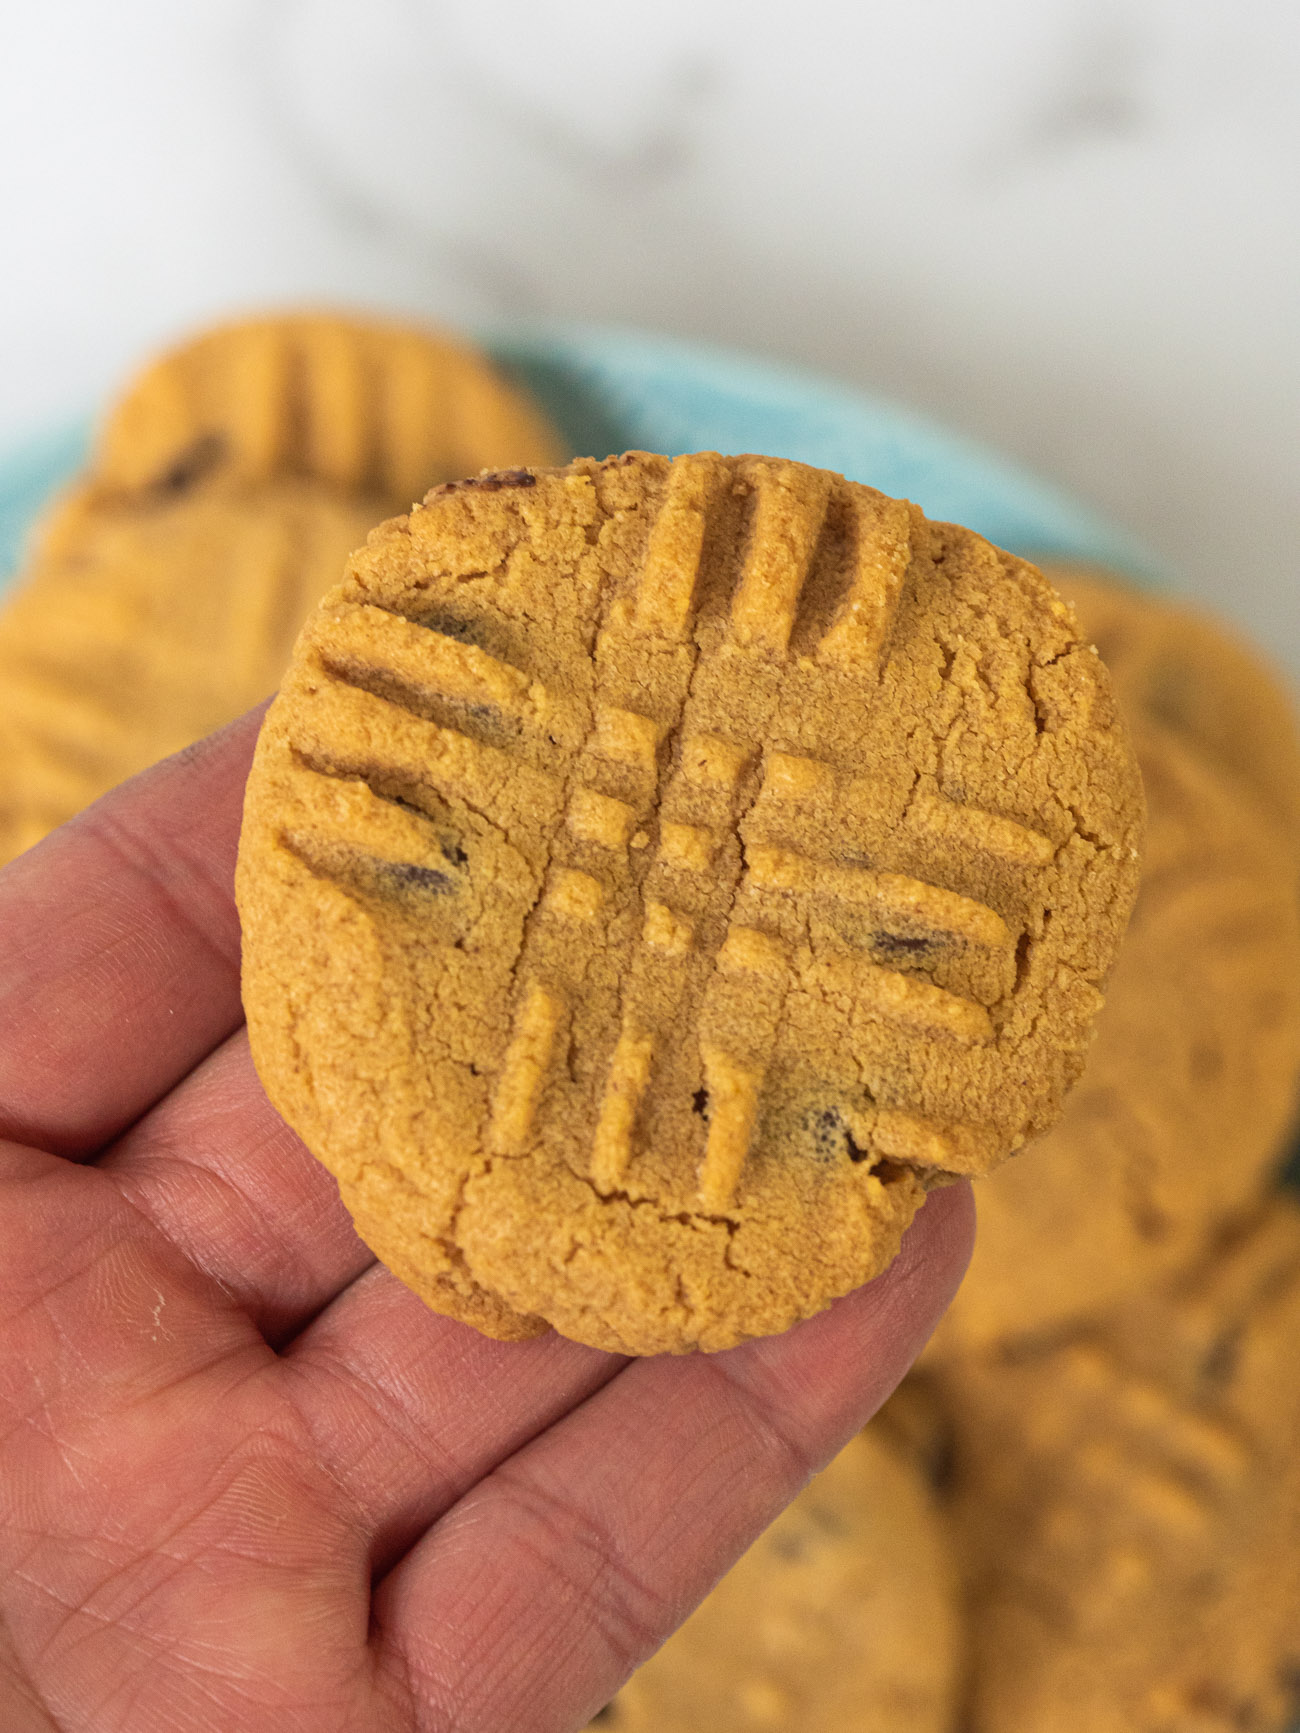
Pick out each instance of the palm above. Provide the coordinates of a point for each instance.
(248, 1479)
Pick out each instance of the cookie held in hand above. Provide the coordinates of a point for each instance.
(657, 874)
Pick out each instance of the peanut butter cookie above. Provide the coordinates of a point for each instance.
(1126, 1505)
(842, 1618)
(655, 875)
(165, 591)
(367, 406)
(1182, 1111)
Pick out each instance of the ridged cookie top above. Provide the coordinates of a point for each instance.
(741, 850)
(365, 405)
(225, 490)
(1125, 1500)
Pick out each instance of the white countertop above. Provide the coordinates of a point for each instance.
(1068, 227)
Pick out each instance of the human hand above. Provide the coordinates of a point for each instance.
(248, 1480)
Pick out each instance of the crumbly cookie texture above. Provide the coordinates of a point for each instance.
(655, 875)
(1126, 1504)
(842, 1618)
(1179, 1118)
(165, 591)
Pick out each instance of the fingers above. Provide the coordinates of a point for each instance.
(532, 1599)
(170, 1553)
(408, 1409)
(119, 949)
(99, 1313)
(224, 1179)
(382, 1383)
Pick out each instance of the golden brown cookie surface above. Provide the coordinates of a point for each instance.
(1127, 1507)
(165, 591)
(1190, 1087)
(842, 1618)
(654, 875)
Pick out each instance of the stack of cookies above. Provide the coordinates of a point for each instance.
(1098, 1458)
(1115, 1394)
(1082, 1511)
(165, 590)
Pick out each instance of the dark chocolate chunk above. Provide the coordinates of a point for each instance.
(422, 878)
(832, 1137)
(902, 944)
(493, 482)
(446, 626)
(200, 458)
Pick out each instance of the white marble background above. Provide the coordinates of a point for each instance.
(1068, 227)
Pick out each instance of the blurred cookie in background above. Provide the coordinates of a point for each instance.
(369, 407)
(149, 628)
(842, 1615)
(164, 591)
(1181, 1116)
(1126, 1506)
(1191, 674)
